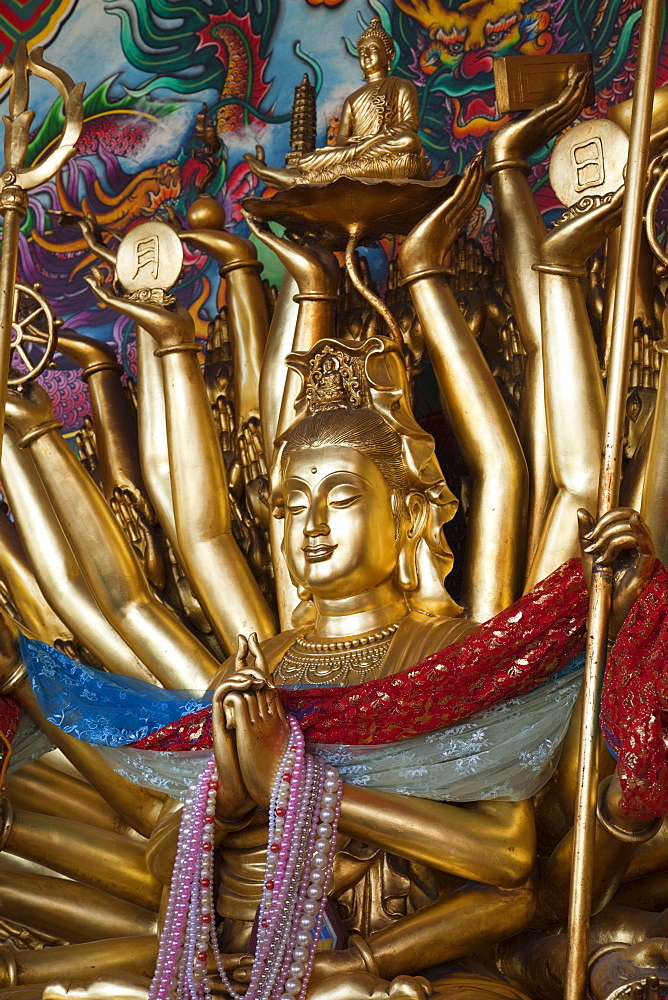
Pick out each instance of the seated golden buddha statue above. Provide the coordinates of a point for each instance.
(378, 131)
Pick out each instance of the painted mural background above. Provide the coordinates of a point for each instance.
(151, 65)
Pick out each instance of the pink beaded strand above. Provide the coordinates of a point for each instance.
(303, 819)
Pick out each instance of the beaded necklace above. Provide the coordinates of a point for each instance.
(343, 661)
(303, 819)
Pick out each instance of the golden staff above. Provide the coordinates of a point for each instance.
(17, 179)
(579, 910)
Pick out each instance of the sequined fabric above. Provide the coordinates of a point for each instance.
(10, 716)
(634, 708)
(508, 656)
(506, 752)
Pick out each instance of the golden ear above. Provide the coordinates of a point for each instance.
(417, 507)
(407, 571)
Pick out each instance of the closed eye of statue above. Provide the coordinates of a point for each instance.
(340, 498)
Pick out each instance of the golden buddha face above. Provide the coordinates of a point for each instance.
(373, 57)
(341, 535)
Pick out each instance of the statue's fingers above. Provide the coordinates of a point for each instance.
(242, 974)
(602, 536)
(277, 707)
(234, 709)
(241, 654)
(618, 515)
(262, 702)
(256, 650)
(252, 707)
(609, 547)
(229, 713)
(97, 287)
(644, 538)
(585, 523)
(236, 960)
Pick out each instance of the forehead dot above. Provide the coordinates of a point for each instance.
(314, 470)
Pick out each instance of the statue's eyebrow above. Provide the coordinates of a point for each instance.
(294, 482)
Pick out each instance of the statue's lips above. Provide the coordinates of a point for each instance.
(316, 553)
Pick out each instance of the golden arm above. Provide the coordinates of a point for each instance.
(139, 807)
(43, 789)
(56, 569)
(475, 410)
(221, 577)
(574, 394)
(315, 271)
(273, 379)
(274, 373)
(103, 860)
(654, 507)
(108, 562)
(521, 229)
(618, 832)
(492, 842)
(67, 909)
(152, 432)
(620, 114)
(80, 962)
(115, 427)
(249, 320)
(295, 326)
(24, 591)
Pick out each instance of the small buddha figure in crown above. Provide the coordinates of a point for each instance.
(378, 133)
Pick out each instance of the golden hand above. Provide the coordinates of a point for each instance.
(233, 798)
(620, 535)
(638, 961)
(28, 408)
(427, 244)
(251, 451)
(217, 243)
(249, 670)
(571, 243)
(524, 136)
(168, 327)
(262, 736)
(91, 232)
(364, 986)
(138, 523)
(312, 265)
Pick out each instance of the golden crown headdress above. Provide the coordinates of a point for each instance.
(339, 374)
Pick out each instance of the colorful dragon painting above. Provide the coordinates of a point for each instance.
(450, 48)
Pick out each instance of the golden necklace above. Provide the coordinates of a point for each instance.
(343, 661)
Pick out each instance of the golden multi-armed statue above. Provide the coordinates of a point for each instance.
(296, 540)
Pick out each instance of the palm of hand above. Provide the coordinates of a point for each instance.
(574, 241)
(524, 136)
(262, 735)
